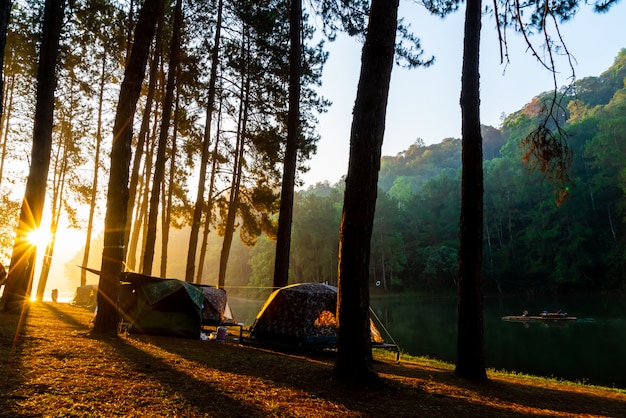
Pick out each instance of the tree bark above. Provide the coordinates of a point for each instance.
(117, 194)
(233, 204)
(283, 235)
(58, 187)
(470, 350)
(234, 193)
(141, 140)
(204, 158)
(354, 352)
(4, 125)
(19, 282)
(5, 13)
(167, 203)
(207, 216)
(159, 166)
(96, 171)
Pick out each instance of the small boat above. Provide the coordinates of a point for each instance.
(543, 316)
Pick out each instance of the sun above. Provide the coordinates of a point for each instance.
(39, 237)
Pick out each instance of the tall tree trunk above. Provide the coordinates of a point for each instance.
(117, 195)
(233, 204)
(5, 14)
(204, 158)
(6, 117)
(470, 350)
(143, 134)
(159, 166)
(57, 209)
(209, 208)
(382, 259)
(61, 163)
(141, 223)
(354, 352)
(285, 217)
(96, 171)
(129, 30)
(166, 192)
(141, 211)
(19, 282)
(167, 203)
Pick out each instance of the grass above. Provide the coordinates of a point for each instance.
(50, 366)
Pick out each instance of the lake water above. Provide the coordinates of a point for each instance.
(592, 349)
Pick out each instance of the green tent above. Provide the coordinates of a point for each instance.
(153, 305)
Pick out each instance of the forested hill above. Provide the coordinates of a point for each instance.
(532, 243)
(409, 169)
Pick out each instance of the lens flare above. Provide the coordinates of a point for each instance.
(38, 238)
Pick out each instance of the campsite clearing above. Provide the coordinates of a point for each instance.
(50, 365)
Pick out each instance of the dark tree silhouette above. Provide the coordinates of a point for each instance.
(204, 158)
(20, 278)
(117, 195)
(159, 165)
(354, 352)
(5, 13)
(470, 346)
(283, 236)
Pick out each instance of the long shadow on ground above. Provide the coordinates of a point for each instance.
(502, 398)
(206, 397)
(13, 341)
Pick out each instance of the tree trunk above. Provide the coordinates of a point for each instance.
(283, 237)
(159, 166)
(141, 224)
(167, 203)
(233, 205)
(354, 352)
(209, 209)
(470, 350)
(6, 117)
(5, 13)
(117, 195)
(166, 218)
(19, 282)
(204, 158)
(58, 187)
(96, 170)
(141, 211)
(141, 138)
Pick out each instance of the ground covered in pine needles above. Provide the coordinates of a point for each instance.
(50, 366)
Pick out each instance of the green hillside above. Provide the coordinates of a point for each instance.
(533, 242)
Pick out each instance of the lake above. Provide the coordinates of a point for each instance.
(591, 349)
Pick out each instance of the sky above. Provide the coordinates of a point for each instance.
(424, 102)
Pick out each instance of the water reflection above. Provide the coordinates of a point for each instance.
(590, 349)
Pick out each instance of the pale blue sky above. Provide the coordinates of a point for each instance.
(424, 103)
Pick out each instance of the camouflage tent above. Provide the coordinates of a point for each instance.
(86, 295)
(152, 305)
(301, 315)
(215, 308)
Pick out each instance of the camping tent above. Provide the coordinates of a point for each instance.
(153, 305)
(86, 295)
(302, 315)
(215, 310)
(161, 306)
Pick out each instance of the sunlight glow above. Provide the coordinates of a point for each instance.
(39, 238)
